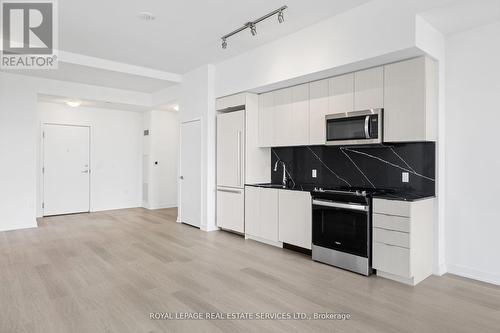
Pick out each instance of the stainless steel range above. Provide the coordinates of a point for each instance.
(342, 224)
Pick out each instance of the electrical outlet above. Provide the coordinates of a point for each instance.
(314, 173)
(405, 177)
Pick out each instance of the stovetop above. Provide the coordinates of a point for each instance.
(344, 191)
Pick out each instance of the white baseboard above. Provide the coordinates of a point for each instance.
(28, 226)
(439, 270)
(209, 228)
(265, 241)
(160, 206)
(474, 274)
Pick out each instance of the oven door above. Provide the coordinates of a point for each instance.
(341, 226)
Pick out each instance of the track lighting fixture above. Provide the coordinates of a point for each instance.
(253, 29)
(253, 24)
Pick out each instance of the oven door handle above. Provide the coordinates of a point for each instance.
(341, 205)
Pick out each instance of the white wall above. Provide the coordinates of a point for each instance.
(382, 28)
(116, 153)
(18, 133)
(162, 146)
(197, 101)
(472, 155)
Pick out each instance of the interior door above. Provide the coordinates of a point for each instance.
(190, 173)
(230, 149)
(66, 169)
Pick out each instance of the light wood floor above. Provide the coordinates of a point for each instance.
(105, 272)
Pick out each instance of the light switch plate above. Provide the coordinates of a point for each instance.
(314, 173)
(405, 177)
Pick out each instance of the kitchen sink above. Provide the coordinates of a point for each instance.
(272, 185)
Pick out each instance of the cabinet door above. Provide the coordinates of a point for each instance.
(318, 109)
(295, 218)
(341, 94)
(282, 117)
(268, 214)
(230, 149)
(369, 89)
(299, 114)
(230, 101)
(266, 119)
(252, 210)
(230, 209)
(404, 101)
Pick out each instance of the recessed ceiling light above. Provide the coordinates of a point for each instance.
(73, 103)
(146, 16)
(176, 107)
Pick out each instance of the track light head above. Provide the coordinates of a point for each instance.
(253, 29)
(224, 43)
(281, 17)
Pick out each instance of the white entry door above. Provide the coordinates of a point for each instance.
(190, 173)
(66, 169)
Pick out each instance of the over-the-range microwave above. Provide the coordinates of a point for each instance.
(352, 128)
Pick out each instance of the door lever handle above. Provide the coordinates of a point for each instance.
(85, 171)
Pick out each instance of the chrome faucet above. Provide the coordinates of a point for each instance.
(284, 181)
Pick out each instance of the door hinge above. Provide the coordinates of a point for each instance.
(43, 204)
(43, 169)
(43, 134)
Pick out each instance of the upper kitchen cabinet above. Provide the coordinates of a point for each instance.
(318, 109)
(284, 117)
(229, 102)
(341, 92)
(369, 89)
(410, 100)
(266, 119)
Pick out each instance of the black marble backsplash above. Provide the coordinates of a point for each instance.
(373, 166)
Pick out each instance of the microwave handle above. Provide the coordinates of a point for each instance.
(367, 127)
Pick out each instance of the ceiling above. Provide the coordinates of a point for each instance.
(100, 77)
(185, 34)
(463, 15)
(91, 103)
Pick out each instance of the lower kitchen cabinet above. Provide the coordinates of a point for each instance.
(230, 209)
(261, 214)
(403, 239)
(295, 220)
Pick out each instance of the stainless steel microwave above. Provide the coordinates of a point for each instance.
(357, 127)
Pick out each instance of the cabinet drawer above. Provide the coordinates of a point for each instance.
(390, 237)
(391, 222)
(391, 207)
(391, 259)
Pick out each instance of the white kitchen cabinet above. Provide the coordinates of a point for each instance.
(403, 239)
(318, 109)
(299, 114)
(230, 101)
(230, 206)
(369, 89)
(261, 214)
(266, 119)
(231, 149)
(295, 220)
(284, 117)
(410, 100)
(341, 92)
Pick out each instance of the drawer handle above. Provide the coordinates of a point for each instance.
(391, 245)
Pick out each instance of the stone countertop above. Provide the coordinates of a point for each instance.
(398, 196)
